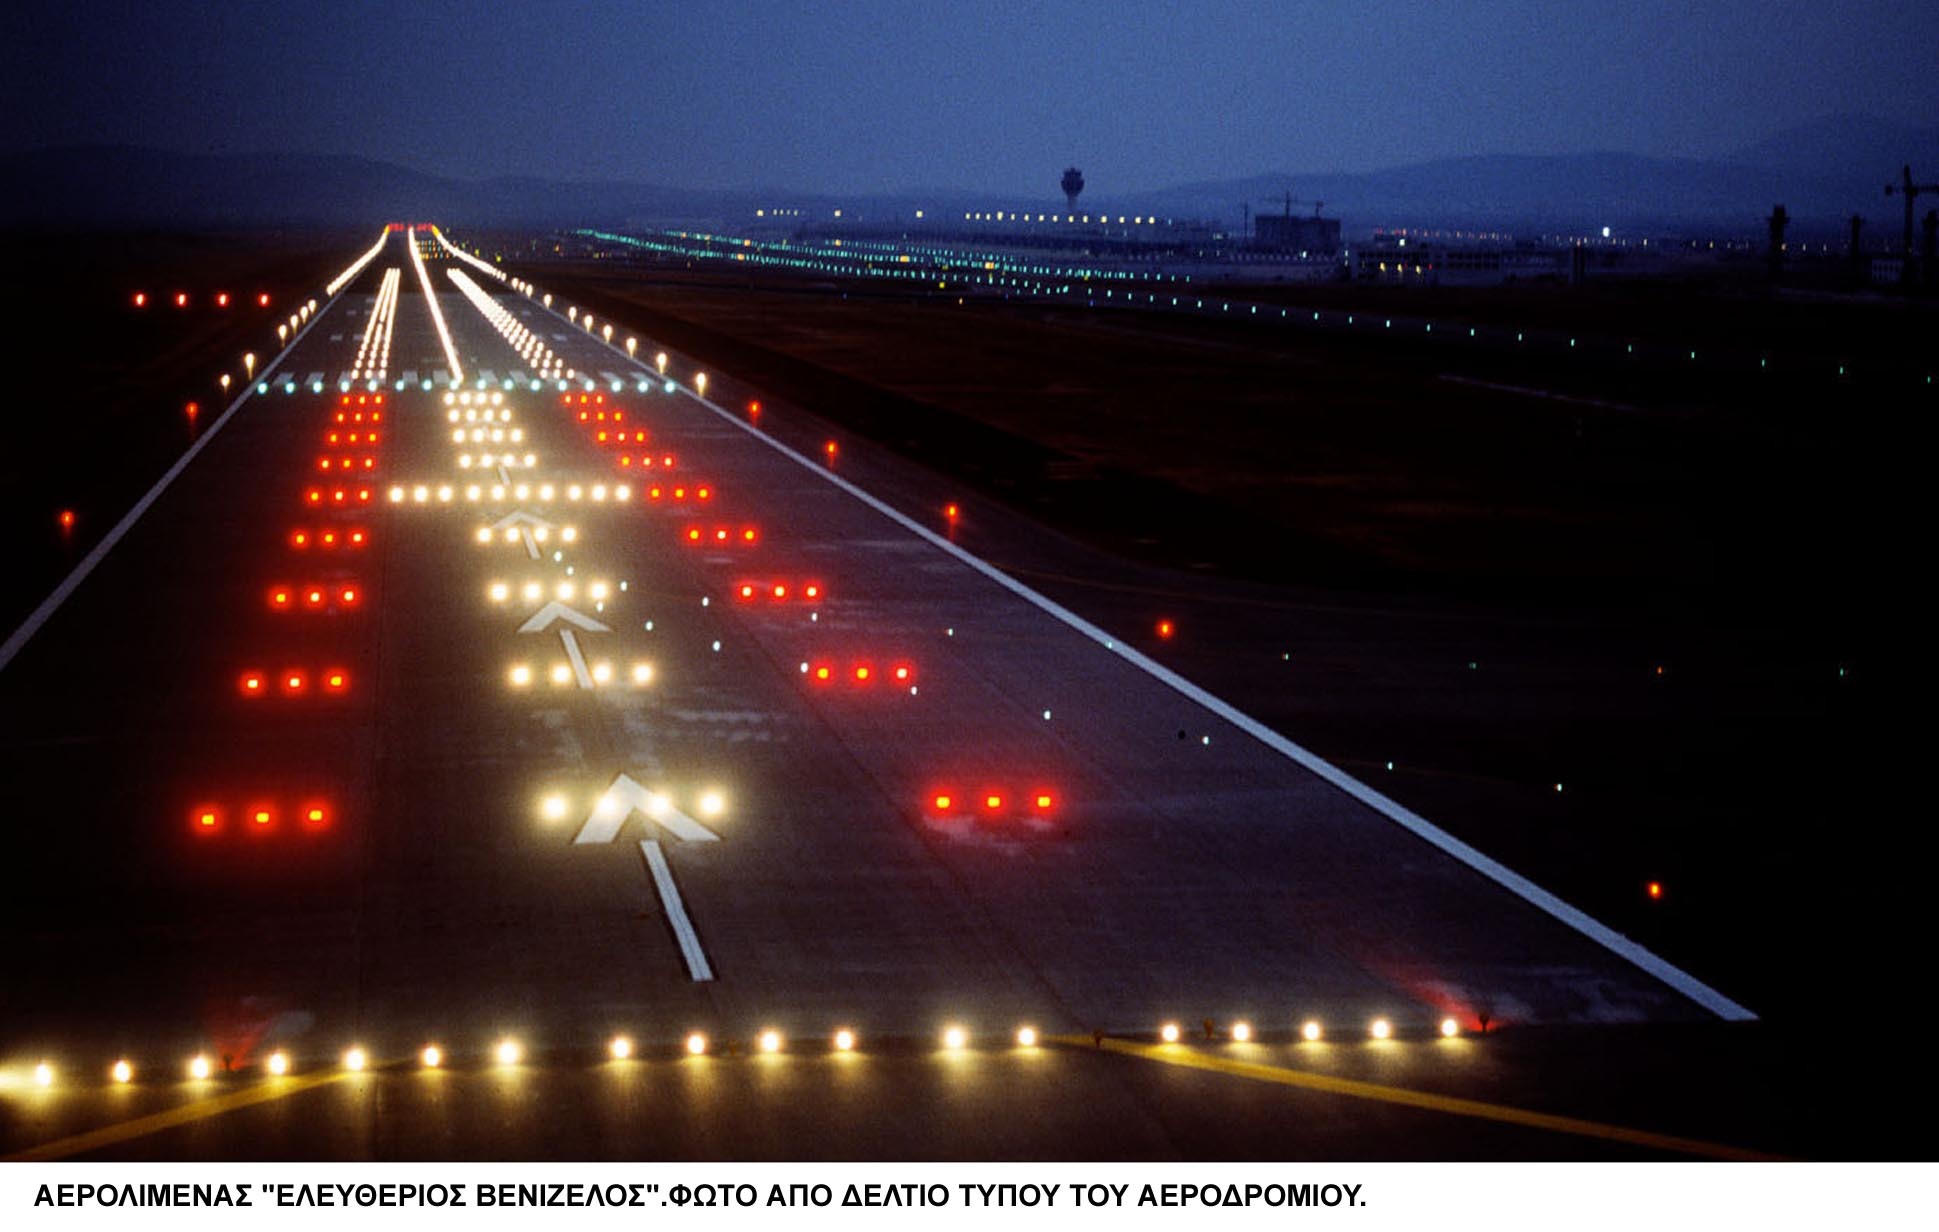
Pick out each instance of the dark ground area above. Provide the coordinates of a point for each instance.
(1688, 606)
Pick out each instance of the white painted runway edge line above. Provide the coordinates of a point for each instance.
(1582, 922)
(52, 603)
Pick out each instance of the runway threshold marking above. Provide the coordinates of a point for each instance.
(1190, 1058)
(1503, 876)
(173, 1118)
(72, 582)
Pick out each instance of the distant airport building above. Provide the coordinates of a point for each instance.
(1296, 233)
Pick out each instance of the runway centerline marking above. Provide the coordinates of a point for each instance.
(186, 1114)
(1453, 1105)
(617, 803)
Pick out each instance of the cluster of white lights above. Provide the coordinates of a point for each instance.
(424, 493)
(598, 591)
(510, 534)
(494, 436)
(373, 353)
(537, 356)
(510, 461)
(356, 267)
(560, 674)
(437, 314)
(460, 254)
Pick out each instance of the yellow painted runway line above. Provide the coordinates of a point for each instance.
(186, 1114)
(1190, 1058)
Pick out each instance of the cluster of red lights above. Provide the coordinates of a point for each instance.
(317, 498)
(140, 299)
(721, 535)
(294, 682)
(620, 436)
(991, 802)
(350, 438)
(777, 592)
(328, 538)
(677, 492)
(862, 675)
(346, 462)
(315, 597)
(260, 817)
(360, 409)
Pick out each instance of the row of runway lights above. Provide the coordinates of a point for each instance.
(510, 1051)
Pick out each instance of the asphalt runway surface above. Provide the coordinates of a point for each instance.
(434, 746)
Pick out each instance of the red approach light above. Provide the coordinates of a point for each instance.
(262, 300)
(222, 299)
(754, 410)
(67, 519)
(779, 591)
(864, 673)
(747, 536)
(746, 592)
(992, 802)
(1164, 629)
(363, 496)
(314, 814)
(349, 596)
(903, 673)
(600, 435)
(829, 448)
(951, 512)
(181, 299)
(261, 817)
(666, 460)
(626, 461)
(313, 496)
(679, 493)
(192, 410)
(141, 299)
(279, 598)
(1042, 802)
(329, 538)
(335, 680)
(583, 416)
(205, 819)
(653, 493)
(294, 682)
(693, 535)
(313, 597)
(943, 801)
(358, 538)
(299, 539)
(720, 535)
(1655, 890)
(823, 672)
(251, 684)
(703, 493)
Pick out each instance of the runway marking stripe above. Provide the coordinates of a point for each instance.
(656, 864)
(1174, 1054)
(52, 603)
(186, 1114)
(1678, 979)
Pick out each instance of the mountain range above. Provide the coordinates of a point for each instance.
(1822, 172)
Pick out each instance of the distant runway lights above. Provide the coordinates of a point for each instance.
(700, 384)
(262, 300)
(199, 1067)
(1310, 1031)
(282, 333)
(660, 362)
(830, 449)
(508, 1052)
(43, 1075)
(754, 410)
(223, 381)
(141, 299)
(770, 1040)
(122, 1072)
(356, 1060)
(1655, 890)
(1169, 1033)
(955, 1038)
(696, 1044)
(249, 364)
(278, 1063)
(620, 1049)
(1241, 1032)
(844, 1040)
(66, 519)
(1026, 1037)
(607, 331)
(632, 344)
(1380, 1029)
(181, 299)
(431, 1057)
(712, 804)
(1165, 630)
(192, 410)
(553, 808)
(222, 299)
(1449, 1028)
(951, 513)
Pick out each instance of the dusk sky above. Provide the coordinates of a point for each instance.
(879, 96)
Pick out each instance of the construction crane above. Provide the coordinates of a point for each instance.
(1910, 191)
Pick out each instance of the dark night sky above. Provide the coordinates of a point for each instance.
(843, 96)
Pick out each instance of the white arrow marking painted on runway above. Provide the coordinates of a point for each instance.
(526, 523)
(555, 612)
(626, 797)
(620, 801)
(656, 866)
